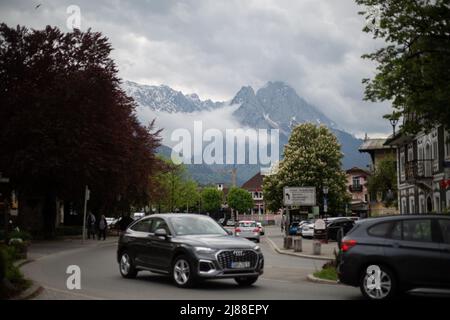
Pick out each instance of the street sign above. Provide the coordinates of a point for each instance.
(299, 196)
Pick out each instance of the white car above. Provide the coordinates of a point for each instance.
(110, 221)
(247, 229)
(138, 215)
(307, 230)
(261, 228)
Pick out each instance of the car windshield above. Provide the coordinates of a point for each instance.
(247, 224)
(190, 225)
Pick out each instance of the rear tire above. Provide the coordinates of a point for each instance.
(387, 288)
(245, 281)
(126, 266)
(183, 273)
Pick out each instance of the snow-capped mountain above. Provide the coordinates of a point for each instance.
(166, 99)
(274, 106)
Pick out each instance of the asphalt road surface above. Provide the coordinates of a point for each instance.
(284, 277)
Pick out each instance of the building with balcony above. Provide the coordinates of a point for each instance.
(423, 169)
(254, 186)
(357, 188)
(378, 152)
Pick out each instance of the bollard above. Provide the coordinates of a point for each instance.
(316, 247)
(287, 242)
(298, 245)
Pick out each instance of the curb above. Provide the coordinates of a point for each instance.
(295, 254)
(34, 290)
(314, 279)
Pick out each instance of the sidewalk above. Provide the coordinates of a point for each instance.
(275, 238)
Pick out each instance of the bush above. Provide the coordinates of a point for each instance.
(24, 235)
(12, 281)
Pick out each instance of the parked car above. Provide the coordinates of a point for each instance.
(230, 223)
(247, 229)
(307, 230)
(388, 255)
(188, 248)
(338, 227)
(138, 215)
(261, 228)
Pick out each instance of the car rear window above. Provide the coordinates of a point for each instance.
(247, 224)
(445, 229)
(381, 229)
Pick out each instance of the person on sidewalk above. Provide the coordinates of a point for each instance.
(91, 225)
(102, 227)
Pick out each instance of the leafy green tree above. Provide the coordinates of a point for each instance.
(312, 158)
(384, 181)
(189, 195)
(413, 71)
(211, 199)
(240, 199)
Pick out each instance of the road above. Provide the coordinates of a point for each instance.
(284, 278)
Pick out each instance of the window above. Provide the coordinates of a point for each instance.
(142, 226)
(159, 224)
(412, 205)
(396, 232)
(404, 209)
(402, 166)
(356, 181)
(417, 230)
(437, 202)
(445, 229)
(381, 229)
(447, 144)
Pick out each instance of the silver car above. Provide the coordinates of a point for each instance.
(248, 229)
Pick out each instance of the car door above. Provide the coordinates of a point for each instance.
(139, 241)
(414, 251)
(162, 248)
(444, 225)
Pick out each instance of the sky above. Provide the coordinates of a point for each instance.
(214, 47)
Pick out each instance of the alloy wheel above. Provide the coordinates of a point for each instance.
(381, 291)
(181, 272)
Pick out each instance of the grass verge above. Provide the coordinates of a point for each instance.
(327, 273)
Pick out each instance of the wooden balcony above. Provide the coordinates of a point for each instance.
(355, 188)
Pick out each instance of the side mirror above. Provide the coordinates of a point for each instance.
(161, 233)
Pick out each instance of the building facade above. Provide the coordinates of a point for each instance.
(357, 189)
(254, 186)
(423, 163)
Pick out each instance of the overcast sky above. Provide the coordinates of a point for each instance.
(214, 47)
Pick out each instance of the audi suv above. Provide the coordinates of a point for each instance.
(188, 248)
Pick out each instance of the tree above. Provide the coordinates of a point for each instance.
(312, 158)
(189, 194)
(384, 181)
(413, 69)
(239, 199)
(211, 199)
(66, 123)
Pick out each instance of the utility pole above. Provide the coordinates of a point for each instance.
(86, 198)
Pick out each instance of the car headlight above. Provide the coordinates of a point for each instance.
(204, 250)
(257, 248)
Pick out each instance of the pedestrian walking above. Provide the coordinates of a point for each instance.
(91, 225)
(102, 227)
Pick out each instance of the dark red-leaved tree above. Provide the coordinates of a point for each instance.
(66, 123)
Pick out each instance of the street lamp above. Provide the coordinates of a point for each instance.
(394, 121)
(325, 199)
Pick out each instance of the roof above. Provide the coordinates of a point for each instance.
(356, 169)
(254, 182)
(373, 144)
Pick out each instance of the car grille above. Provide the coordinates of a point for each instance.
(225, 258)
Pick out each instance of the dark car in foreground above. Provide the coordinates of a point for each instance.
(389, 255)
(188, 248)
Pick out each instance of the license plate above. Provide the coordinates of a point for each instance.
(240, 265)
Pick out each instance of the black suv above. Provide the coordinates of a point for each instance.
(387, 255)
(188, 247)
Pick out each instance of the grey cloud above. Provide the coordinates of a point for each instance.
(215, 47)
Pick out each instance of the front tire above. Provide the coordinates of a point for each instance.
(245, 281)
(182, 272)
(384, 290)
(126, 266)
